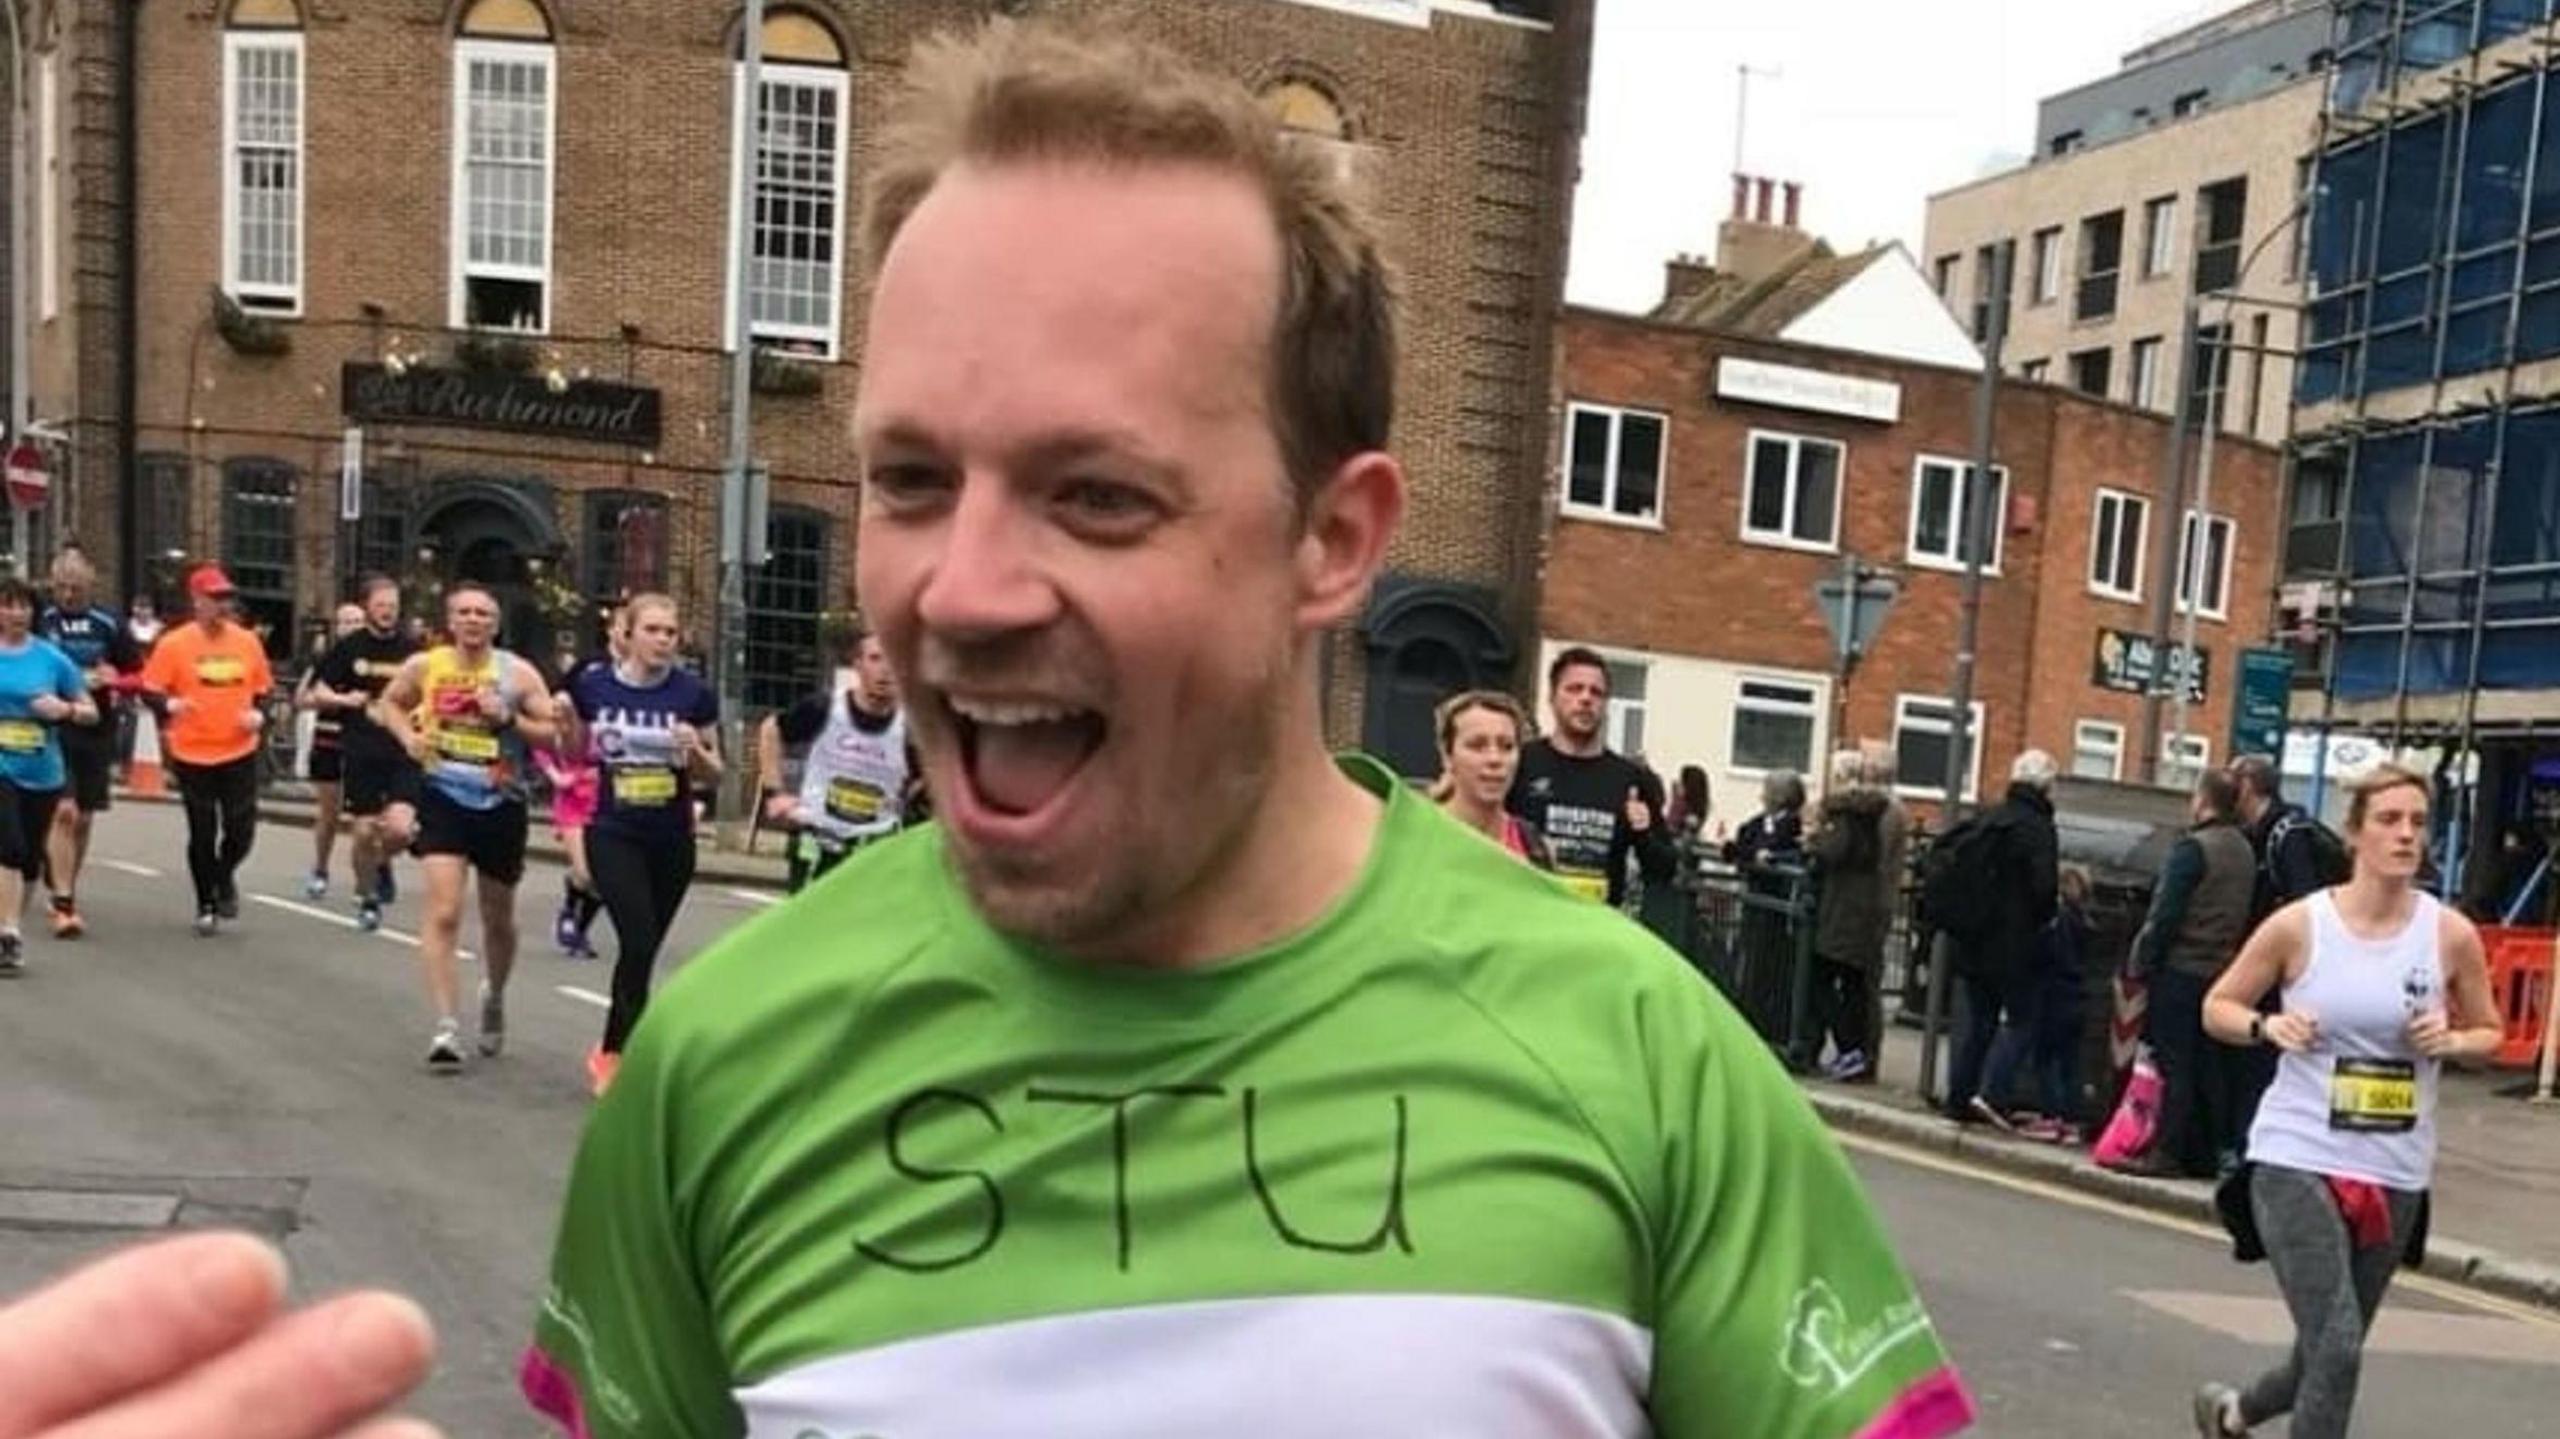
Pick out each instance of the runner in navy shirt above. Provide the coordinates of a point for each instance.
(649, 725)
(105, 651)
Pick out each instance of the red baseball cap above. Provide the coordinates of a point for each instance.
(209, 583)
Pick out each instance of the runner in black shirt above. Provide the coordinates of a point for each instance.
(1592, 805)
(99, 644)
(377, 774)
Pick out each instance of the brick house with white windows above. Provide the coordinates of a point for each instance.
(532, 325)
(1709, 480)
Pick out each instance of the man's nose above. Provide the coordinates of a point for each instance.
(987, 579)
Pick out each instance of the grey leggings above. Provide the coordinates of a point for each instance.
(2332, 1290)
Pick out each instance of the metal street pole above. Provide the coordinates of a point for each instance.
(2165, 534)
(2217, 359)
(738, 548)
(1974, 536)
(22, 405)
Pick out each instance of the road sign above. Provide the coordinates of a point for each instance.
(29, 482)
(1853, 603)
(2259, 711)
(351, 475)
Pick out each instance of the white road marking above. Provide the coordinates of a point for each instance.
(126, 866)
(343, 921)
(1920, 1159)
(587, 995)
(753, 896)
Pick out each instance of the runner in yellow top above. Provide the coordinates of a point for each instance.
(465, 711)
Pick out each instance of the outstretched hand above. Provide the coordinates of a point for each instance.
(190, 1336)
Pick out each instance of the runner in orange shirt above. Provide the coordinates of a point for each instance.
(205, 681)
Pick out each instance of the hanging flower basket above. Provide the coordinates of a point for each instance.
(480, 350)
(776, 373)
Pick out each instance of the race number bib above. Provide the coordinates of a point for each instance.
(469, 746)
(1593, 887)
(649, 788)
(20, 736)
(2374, 1096)
(853, 801)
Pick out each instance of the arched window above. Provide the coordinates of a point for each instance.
(504, 108)
(1304, 106)
(796, 220)
(262, 156)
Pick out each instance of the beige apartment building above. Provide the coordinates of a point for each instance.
(2162, 188)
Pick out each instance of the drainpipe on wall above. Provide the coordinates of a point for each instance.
(128, 301)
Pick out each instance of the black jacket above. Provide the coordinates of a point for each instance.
(2293, 870)
(2029, 885)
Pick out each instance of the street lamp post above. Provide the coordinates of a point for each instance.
(741, 540)
(21, 273)
(2170, 562)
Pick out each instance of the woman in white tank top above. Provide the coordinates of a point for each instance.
(2381, 985)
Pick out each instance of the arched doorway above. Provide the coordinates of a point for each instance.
(501, 535)
(1428, 639)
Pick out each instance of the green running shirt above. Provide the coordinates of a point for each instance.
(1468, 1157)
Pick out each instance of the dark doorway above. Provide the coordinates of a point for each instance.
(1428, 640)
(494, 535)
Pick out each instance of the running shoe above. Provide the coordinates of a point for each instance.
(67, 923)
(493, 1020)
(315, 886)
(1989, 1113)
(368, 914)
(227, 903)
(601, 1067)
(444, 1052)
(564, 931)
(13, 955)
(207, 920)
(2217, 1412)
(1846, 1066)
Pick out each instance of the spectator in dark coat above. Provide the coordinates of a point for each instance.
(1846, 851)
(2199, 916)
(1769, 850)
(1995, 969)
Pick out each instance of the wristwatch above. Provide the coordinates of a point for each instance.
(2257, 1029)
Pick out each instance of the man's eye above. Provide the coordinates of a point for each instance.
(1105, 503)
(907, 485)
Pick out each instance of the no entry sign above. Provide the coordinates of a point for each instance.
(29, 482)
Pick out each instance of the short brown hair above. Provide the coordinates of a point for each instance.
(2382, 779)
(1012, 92)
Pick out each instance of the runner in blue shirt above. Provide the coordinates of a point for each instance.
(648, 722)
(40, 688)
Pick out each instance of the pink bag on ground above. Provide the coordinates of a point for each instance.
(2136, 1123)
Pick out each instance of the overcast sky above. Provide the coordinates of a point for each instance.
(1878, 104)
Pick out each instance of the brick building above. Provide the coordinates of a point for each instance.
(1761, 468)
(496, 234)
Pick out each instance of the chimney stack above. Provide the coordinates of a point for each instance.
(1741, 195)
(1795, 202)
(1760, 205)
(1762, 238)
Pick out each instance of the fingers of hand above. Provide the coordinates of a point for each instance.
(122, 1325)
(310, 1375)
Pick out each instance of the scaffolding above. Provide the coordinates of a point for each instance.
(2422, 559)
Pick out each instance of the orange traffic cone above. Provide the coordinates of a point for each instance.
(144, 778)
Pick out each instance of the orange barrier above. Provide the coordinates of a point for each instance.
(2520, 980)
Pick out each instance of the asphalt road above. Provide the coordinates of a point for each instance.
(270, 1077)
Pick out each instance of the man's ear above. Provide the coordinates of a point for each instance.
(1351, 519)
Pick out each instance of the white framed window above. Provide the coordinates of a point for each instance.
(1940, 508)
(2184, 759)
(2205, 587)
(262, 99)
(795, 294)
(2159, 236)
(1773, 726)
(2117, 538)
(504, 112)
(2145, 389)
(48, 106)
(1923, 732)
(2097, 750)
(1791, 497)
(1625, 719)
(2047, 250)
(1613, 464)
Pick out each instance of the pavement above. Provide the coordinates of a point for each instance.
(2496, 1224)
